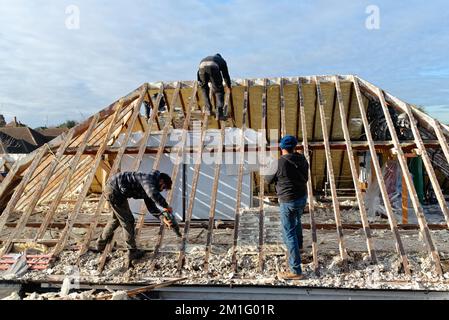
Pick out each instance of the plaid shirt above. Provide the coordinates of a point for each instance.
(140, 185)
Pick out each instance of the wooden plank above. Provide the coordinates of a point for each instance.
(165, 134)
(86, 186)
(408, 145)
(282, 102)
(313, 159)
(305, 144)
(138, 161)
(155, 106)
(196, 175)
(99, 133)
(330, 170)
(9, 178)
(21, 187)
(240, 178)
(38, 192)
(441, 138)
(55, 184)
(348, 117)
(333, 117)
(404, 201)
(327, 97)
(433, 252)
(182, 99)
(354, 173)
(171, 106)
(262, 178)
(79, 176)
(310, 106)
(66, 180)
(174, 175)
(34, 179)
(213, 199)
(237, 97)
(380, 179)
(140, 156)
(114, 169)
(57, 176)
(227, 225)
(175, 92)
(232, 114)
(55, 180)
(248, 114)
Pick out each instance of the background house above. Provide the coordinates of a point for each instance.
(17, 140)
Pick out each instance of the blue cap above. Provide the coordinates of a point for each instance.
(288, 142)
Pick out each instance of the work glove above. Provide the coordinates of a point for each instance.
(167, 222)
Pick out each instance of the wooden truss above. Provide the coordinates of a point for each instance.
(318, 110)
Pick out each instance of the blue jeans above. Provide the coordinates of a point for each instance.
(292, 230)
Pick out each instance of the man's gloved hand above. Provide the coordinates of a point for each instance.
(168, 222)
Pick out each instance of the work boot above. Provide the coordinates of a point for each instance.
(133, 254)
(290, 276)
(221, 115)
(99, 246)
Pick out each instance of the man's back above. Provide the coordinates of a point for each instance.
(133, 184)
(291, 177)
(215, 58)
(222, 65)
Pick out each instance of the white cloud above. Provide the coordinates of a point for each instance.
(48, 70)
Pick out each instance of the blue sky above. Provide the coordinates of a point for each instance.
(49, 73)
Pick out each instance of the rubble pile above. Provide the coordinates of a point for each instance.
(361, 273)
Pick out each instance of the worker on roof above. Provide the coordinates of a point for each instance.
(148, 106)
(210, 70)
(291, 181)
(136, 185)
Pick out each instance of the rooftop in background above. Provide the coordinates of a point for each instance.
(51, 133)
(9, 144)
(16, 137)
(15, 123)
(26, 134)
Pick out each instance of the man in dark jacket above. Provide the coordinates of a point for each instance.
(291, 181)
(210, 70)
(136, 185)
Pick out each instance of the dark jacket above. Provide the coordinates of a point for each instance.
(221, 65)
(291, 177)
(139, 185)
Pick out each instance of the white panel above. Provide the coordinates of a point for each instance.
(227, 191)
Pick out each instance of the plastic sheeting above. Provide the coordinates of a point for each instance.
(227, 188)
(391, 172)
